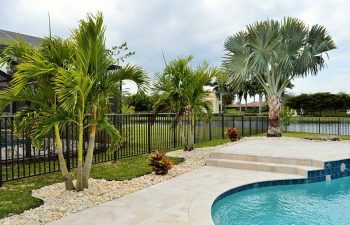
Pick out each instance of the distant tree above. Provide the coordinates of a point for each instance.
(141, 102)
(318, 102)
(224, 90)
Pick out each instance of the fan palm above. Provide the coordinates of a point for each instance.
(273, 53)
(180, 90)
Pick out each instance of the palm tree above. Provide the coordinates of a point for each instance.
(224, 89)
(76, 82)
(274, 53)
(180, 89)
(32, 82)
(87, 86)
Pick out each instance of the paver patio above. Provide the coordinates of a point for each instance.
(187, 199)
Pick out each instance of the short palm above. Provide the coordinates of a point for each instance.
(180, 88)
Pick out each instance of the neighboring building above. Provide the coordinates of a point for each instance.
(5, 75)
(214, 101)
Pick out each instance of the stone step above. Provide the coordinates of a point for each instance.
(262, 166)
(267, 159)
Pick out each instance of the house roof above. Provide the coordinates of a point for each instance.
(5, 36)
(249, 105)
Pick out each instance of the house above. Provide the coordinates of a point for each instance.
(214, 101)
(5, 72)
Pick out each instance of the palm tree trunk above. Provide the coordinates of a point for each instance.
(182, 133)
(274, 116)
(191, 134)
(79, 185)
(90, 151)
(254, 104)
(62, 163)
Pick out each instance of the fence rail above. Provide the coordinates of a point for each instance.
(142, 134)
(320, 125)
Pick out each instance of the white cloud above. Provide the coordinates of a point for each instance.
(182, 27)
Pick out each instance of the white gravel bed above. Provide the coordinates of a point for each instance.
(59, 202)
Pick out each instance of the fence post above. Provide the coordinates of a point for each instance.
(250, 126)
(338, 126)
(222, 126)
(319, 125)
(174, 136)
(0, 154)
(149, 132)
(210, 135)
(67, 148)
(242, 126)
(194, 131)
(115, 125)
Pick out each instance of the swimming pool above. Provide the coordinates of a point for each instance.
(314, 203)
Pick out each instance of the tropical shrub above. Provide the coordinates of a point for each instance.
(286, 115)
(160, 163)
(233, 134)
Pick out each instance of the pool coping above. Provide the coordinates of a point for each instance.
(200, 212)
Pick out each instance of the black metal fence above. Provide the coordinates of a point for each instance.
(142, 134)
(320, 125)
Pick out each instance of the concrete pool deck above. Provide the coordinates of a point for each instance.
(187, 199)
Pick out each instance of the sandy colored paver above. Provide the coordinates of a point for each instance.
(291, 148)
(168, 202)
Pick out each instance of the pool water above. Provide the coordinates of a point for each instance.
(317, 203)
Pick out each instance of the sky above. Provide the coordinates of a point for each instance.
(188, 27)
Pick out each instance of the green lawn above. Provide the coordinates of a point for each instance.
(15, 196)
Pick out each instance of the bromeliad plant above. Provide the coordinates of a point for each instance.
(74, 82)
(233, 134)
(180, 89)
(274, 53)
(160, 163)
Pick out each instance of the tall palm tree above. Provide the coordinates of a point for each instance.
(274, 53)
(77, 83)
(180, 89)
(87, 87)
(222, 85)
(32, 82)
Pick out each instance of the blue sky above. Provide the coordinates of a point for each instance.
(183, 27)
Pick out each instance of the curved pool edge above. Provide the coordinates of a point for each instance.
(200, 212)
(201, 207)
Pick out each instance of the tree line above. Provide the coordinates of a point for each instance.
(305, 104)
